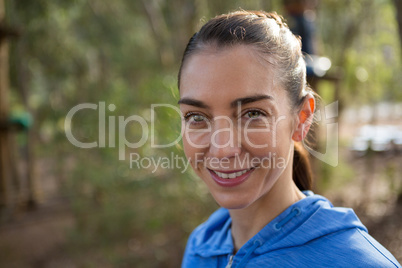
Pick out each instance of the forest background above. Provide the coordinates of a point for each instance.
(125, 53)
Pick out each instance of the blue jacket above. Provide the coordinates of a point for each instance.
(310, 233)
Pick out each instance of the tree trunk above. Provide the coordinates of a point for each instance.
(5, 163)
(398, 8)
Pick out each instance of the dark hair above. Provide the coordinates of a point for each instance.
(269, 35)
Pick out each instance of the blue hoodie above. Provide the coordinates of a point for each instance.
(310, 233)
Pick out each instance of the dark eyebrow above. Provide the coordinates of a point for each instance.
(193, 102)
(245, 100)
(233, 104)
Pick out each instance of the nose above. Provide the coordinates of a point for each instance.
(224, 139)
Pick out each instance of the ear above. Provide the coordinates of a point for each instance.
(305, 118)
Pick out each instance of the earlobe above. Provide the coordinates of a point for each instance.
(305, 118)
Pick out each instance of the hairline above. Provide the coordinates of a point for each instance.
(213, 47)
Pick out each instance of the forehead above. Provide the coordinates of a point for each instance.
(228, 73)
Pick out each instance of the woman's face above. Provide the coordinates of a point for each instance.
(238, 124)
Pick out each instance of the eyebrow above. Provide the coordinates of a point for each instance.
(250, 99)
(233, 104)
(193, 102)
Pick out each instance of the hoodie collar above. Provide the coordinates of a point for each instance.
(288, 229)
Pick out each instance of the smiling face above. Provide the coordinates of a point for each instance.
(238, 125)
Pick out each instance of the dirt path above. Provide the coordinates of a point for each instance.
(28, 240)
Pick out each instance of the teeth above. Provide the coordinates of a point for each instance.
(230, 175)
(222, 175)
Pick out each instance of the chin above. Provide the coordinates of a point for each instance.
(233, 202)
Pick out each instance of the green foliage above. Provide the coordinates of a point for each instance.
(361, 38)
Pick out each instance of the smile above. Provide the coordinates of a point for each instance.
(232, 175)
(230, 178)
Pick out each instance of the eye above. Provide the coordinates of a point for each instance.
(253, 114)
(195, 118)
(198, 118)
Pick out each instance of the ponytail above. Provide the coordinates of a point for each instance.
(302, 174)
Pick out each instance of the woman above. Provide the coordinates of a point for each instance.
(246, 109)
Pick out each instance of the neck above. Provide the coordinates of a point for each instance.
(283, 194)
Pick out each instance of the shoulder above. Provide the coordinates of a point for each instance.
(352, 247)
(321, 235)
(342, 238)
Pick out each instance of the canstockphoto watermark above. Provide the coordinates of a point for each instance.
(174, 161)
(235, 131)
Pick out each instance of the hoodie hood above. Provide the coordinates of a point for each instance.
(306, 220)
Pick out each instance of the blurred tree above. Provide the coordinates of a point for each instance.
(10, 188)
(398, 8)
(362, 43)
(5, 172)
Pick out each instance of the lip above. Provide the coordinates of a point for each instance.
(228, 171)
(230, 182)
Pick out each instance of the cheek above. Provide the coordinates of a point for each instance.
(195, 141)
(273, 139)
(257, 141)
